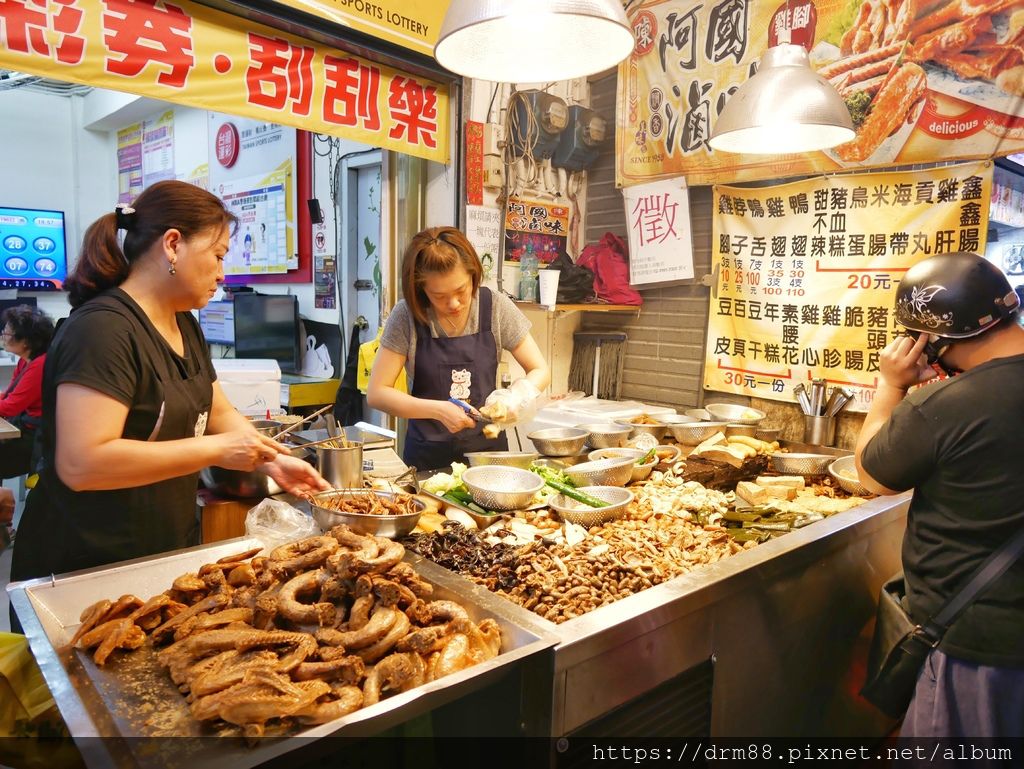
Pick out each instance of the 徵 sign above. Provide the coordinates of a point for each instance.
(660, 246)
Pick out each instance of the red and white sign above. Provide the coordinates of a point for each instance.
(227, 145)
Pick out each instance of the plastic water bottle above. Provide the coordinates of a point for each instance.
(528, 269)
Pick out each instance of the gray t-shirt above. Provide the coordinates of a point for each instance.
(508, 324)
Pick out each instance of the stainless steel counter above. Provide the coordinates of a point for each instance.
(120, 699)
(784, 627)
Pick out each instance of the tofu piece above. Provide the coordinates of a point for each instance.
(714, 440)
(759, 495)
(722, 454)
(791, 481)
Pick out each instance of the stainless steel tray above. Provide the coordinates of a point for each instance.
(129, 699)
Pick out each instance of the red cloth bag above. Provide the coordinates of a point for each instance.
(609, 261)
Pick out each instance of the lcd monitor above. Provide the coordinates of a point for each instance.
(267, 326)
(217, 320)
(33, 249)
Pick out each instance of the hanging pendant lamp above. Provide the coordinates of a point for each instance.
(533, 41)
(785, 107)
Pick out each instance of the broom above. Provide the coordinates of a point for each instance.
(597, 361)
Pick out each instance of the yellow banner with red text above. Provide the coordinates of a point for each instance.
(806, 273)
(190, 54)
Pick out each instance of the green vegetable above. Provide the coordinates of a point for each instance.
(648, 456)
(859, 105)
(579, 496)
(841, 22)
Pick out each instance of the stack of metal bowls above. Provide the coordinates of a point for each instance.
(698, 414)
(391, 526)
(606, 435)
(498, 487)
(558, 441)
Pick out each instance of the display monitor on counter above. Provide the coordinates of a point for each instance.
(217, 320)
(267, 326)
(33, 249)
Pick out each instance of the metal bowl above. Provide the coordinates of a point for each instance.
(640, 472)
(676, 453)
(736, 428)
(701, 414)
(576, 512)
(844, 470)
(268, 427)
(242, 484)
(603, 472)
(802, 464)
(606, 435)
(521, 459)
(558, 441)
(498, 487)
(657, 430)
(692, 433)
(678, 419)
(390, 526)
(768, 434)
(732, 412)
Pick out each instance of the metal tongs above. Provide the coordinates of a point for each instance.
(813, 403)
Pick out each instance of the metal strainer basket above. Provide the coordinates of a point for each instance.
(802, 464)
(844, 470)
(499, 487)
(584, 515)
(602, 472)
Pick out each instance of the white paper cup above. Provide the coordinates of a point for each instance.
(549, 287)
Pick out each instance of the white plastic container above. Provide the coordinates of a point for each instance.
(252, 385)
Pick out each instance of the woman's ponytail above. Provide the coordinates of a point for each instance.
(101, 263)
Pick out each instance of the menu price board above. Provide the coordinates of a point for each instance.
(807, 272)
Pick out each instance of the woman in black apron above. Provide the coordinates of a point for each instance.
(132, 411)
(445, 334)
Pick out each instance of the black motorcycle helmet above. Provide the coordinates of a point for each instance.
(953, 296)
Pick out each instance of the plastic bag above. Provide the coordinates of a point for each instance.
(519, 402)
(609, 261)
(276, 523)
(28, 712)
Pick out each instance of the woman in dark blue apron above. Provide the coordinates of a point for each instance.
(132, 409)
(448, 334)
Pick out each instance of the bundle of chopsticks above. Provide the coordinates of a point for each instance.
(336, 439)
(814, 403)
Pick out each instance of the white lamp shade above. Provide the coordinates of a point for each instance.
(785, 107)
(532, 41)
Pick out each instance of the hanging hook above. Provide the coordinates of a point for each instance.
(362, 323)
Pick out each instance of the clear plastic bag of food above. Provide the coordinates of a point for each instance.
(276, 523)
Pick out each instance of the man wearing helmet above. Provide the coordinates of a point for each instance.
(956, 444)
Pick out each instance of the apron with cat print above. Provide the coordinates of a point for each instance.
(463, 367)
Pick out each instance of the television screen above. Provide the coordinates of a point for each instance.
(267, 326)
(217, 320)
(33, 249)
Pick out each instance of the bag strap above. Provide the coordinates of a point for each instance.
(993, 568)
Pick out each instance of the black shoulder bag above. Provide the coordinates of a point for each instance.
(900, 646)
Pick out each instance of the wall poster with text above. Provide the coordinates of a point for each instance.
(806, 273)
(538, 225)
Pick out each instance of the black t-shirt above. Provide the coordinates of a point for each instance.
(109, 345)
(957, 444)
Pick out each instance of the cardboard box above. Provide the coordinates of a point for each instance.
(253, 385)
